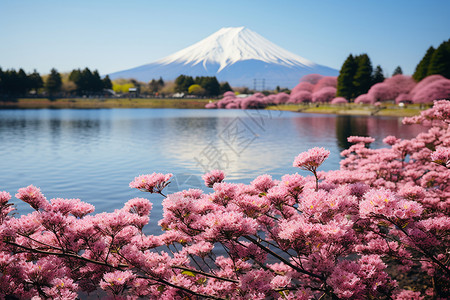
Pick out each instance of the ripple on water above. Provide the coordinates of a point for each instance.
(94, 154)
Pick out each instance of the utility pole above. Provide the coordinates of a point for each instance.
(259, 84)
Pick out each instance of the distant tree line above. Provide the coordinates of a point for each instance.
(17, 83)
(201, 86)
(84, 82)
(88, 83)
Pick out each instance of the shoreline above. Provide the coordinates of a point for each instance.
(389, 110)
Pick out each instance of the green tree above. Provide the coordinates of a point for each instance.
(88, 82)
(1, 81)
(422, 67)
(107, 84)
(75, 77)
(210, 84)
(377, 75)
(156, 85)
(440, 60)
(96, 83)
(13, 83)
(23, 82)
(35, 81)
(345, 86)
(182, 83)
(53, 82)
(225, 87)
(161, 82)
(362, 81)
(397, 71)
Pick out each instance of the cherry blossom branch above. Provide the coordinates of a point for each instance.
(65, 254)
(119, 267)
(282, 259)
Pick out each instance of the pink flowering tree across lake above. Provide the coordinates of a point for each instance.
(377, 228)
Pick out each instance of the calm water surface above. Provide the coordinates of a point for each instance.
(94, 154)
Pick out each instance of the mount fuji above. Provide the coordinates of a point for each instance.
(234, 54)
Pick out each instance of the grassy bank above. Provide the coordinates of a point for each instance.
(354, 109)
(105, 103)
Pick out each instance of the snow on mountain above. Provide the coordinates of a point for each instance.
(230, 45)
(234, 54)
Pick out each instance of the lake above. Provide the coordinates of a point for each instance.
(94, 154)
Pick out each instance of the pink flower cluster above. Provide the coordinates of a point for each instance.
(153, 183)
(377, 228)
(311, 159)
(403, 88)
(213, 177)
(441, 156)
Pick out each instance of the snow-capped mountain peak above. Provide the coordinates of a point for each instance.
(232, 44)
(233, 54)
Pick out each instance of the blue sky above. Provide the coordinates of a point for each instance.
(111, 35)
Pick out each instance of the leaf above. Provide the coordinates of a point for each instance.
(188, 273)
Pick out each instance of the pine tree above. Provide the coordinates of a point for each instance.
(107, 84)
(440, 60)
(422, 68)
(53, 82)
(345, 86)
(161, 83)
(225, 87)
(2, 89)
(362, 81)
(96, 82)
(211, 85)
(397, 71)
(35, 81)
(182, 83)
(156, 85)
(75, 77)
(23, 82)
(377, 75)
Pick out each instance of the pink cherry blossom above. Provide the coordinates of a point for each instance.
(153, 183)
(4, 198)
(300, 97)
(213, 177)
(441, 156)
(139, 206)
(339, 100)
(303, 86)
(365, 99)
(324, 95)
(116, 282)
(33, 196)
(360, 139)
(311, 159)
